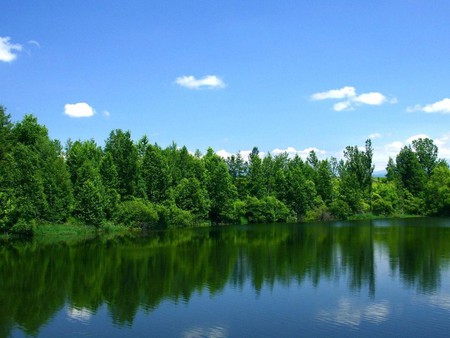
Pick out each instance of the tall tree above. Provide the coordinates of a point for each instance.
(156, 174)
(125, 156)
(108, 175)
(427, 154)
(238, 169)
(255, 175)
(410, 172)
(219, 185)
(191, 196)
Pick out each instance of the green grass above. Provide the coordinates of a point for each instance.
(74, 231)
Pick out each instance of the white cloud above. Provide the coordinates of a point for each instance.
(34, 42)
(81, 109)
(335, 94)
(373, 98)
(106, 113)
(291, 151)
(352, 99)
(381, 154)
(343, 105)
(375, 136)
(442, 107)
(208, 82)
(223, 153)
(8, 50)
(416, 137)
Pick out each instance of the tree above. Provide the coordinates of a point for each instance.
(156, 175)
(78, 152)
(108, 175)
(5, 132)
(90, 203)
(191, 196)
(300, 192)
(238, 169)
(359, 163)
(89, 195)
(219, 186)
(410, 172)
(427, 154)
(255, 175)
(125, 156)
(438, 191)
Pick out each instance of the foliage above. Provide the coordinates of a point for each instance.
(138, 184)
(137, 213)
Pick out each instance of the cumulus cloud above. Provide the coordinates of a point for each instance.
(373, 98)
(291, 151)
(374, 136)
(81, 109)
(335, 94)
(440, 107)
(206, 82)
(416, 137)
(8, 50)
(106, 113)
(304, 153)
(352, 100)
(343, 105)
(223, 153)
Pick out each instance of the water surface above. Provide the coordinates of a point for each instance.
(387, 278)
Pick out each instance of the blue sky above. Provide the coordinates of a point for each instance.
(280, 75)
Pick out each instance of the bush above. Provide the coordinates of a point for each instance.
(170, 216)
(137, 213)
(267, 210)
(340, 209)
(381, 206)
(23, 227)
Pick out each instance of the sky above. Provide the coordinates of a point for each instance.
(280, 75)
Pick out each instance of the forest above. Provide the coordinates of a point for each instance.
(141, 185)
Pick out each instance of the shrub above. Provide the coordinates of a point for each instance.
(137, 213)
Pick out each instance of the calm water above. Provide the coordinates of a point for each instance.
(348, 279)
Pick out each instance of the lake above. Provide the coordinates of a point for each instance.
(381, 278)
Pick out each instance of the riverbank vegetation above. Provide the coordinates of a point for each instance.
(137, 184)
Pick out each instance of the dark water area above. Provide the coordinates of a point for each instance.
(382, 278)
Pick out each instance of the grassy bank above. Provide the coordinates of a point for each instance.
(70, 232)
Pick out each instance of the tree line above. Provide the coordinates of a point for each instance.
(139, 184)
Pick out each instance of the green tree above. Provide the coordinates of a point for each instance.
(438, 191)
(89, 195)
(125, 156)
(156, 174)
(300, 192)
(359, 165)
(255, 175)
(238, 169)
(410, 172)
(219, 186)
(191, 196)
(108, 174)
(427, 154)
(78, 152)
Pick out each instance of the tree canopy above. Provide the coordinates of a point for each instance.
(141, 184)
